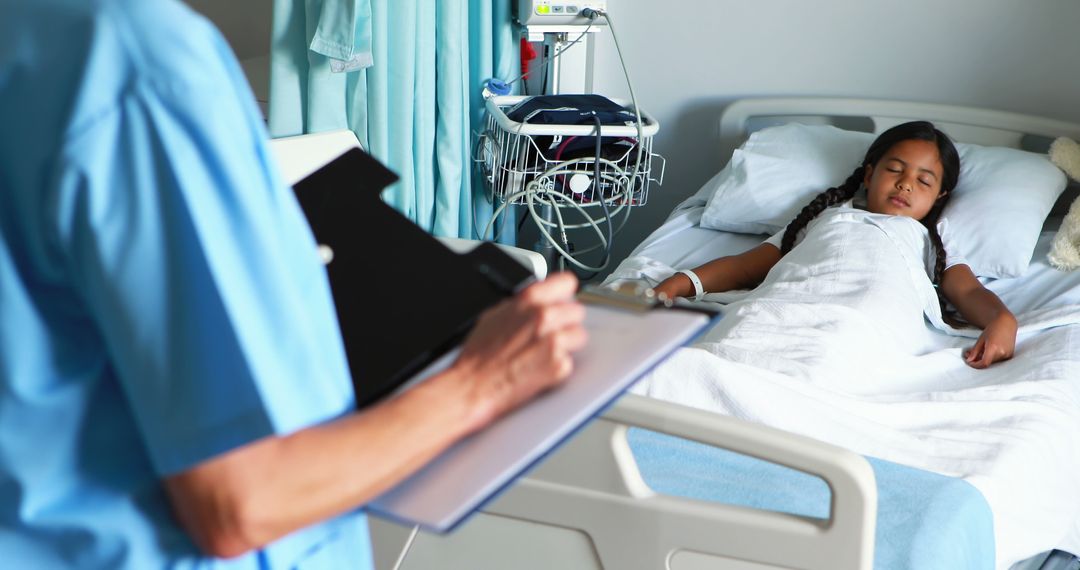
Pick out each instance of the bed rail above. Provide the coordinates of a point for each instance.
(592, 486)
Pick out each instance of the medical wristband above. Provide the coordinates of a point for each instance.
(699, 290)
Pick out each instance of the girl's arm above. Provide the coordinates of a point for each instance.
(982, 308)
(743, 271)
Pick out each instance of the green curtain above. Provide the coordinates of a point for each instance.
(406, 76)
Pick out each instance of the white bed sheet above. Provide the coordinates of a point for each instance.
(681, 243)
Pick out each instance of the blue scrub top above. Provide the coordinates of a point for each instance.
(161, 299)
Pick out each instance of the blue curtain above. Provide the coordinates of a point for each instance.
(406, 76)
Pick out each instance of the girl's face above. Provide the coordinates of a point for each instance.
(906, 181)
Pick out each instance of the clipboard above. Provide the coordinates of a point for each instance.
(400, 326)
(402, 298)
(629, 334)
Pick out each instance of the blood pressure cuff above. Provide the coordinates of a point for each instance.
(570, 110)
(575, 110)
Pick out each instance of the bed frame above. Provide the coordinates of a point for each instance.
(965, 124)
(587, 506)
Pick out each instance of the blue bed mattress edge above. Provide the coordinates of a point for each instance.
(925, 521)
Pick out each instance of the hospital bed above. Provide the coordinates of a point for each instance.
(656, 485)
(845, 535)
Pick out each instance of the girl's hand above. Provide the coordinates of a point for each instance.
(677, 285)
(996, 343)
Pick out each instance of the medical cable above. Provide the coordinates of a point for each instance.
(616, 179)
(614, 197)
(485, 137)
(598, 191)
(405, 549)
(562, 169)
(530, 197)
(534, 195)
(593, 13)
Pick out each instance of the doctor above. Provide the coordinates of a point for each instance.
(173, 388)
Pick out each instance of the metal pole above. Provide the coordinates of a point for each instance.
(558, 39)
(543, 246)
(551, 256)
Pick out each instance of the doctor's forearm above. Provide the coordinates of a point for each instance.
(252, 495)
(255, 494)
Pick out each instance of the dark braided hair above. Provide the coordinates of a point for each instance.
(950, 162)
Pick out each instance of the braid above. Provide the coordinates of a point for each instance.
(939, 271)
(930, 222)
(830, 197)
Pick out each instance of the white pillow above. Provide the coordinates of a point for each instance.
(996, 213)
(776, 172)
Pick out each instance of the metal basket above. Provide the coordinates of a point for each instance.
(514, 157)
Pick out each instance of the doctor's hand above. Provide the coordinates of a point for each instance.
(521, 347)
(996, 343)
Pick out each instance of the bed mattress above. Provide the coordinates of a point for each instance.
(925, 521)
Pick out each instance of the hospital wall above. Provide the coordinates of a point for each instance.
(691, 58)
(246, 25)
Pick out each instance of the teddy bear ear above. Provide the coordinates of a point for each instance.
(1065, 153)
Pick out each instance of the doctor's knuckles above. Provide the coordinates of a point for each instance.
(521, 347)
(518, 349)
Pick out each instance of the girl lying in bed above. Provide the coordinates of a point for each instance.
(908, 171)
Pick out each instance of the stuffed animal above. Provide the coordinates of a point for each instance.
(1065, 251)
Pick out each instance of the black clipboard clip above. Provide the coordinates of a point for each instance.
(640, 298)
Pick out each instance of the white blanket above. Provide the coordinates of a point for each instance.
(844, 342)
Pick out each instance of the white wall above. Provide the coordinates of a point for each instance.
(690, 58)
(245, 23)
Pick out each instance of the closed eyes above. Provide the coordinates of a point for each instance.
(922, 181)
(896, 166)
